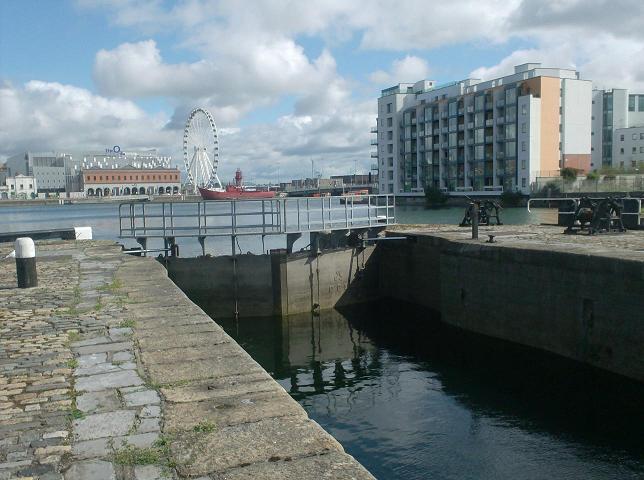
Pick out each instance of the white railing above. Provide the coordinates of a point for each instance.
(276, 216)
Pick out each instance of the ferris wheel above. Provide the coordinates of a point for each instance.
(201, 149)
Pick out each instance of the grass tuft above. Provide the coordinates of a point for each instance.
(204, 427)
(127, 324)
(72, 363)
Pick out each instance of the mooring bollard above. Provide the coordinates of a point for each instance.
(475, 221)
(26, 262)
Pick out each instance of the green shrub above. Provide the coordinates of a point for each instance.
(434, 197)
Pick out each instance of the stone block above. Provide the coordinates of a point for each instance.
(90, 470)
(102, 401)
(145, 397)
(249, 443)
(105, 381)
(110, 424)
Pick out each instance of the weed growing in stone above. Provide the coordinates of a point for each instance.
(111, 287)
(73, 336)
(131, 455)
(158, 454)
(127, 324)
(75, 413)
(204, 427)
(72, 363)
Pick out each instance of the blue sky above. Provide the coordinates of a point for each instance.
(285, 80)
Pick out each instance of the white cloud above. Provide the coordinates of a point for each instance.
(45, 116)
(405, 70)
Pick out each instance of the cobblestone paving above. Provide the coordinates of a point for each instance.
(71, 398)
(108, 372)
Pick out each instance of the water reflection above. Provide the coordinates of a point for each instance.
(411, 398)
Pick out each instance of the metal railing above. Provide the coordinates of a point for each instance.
(276, 216)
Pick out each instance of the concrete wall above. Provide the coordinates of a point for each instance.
(589, 310)
(277, 284)
(210, 280)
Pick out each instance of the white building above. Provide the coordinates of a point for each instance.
(49, 169)
(61, 172)
(474, 136)
(613, 112)
(19, 187)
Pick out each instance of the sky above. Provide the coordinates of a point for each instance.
(287, 82)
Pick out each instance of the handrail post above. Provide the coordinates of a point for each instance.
(369, 209)
(323, 218)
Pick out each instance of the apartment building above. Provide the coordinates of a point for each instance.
(481, 137)
(617, 117)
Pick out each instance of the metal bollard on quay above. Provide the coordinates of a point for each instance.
(26, 262)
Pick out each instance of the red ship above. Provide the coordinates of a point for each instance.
(234, 191)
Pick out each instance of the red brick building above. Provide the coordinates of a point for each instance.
(130, 181)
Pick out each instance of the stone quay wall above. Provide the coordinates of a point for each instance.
(577, 296)
(108, 371)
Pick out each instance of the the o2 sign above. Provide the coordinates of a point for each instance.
(115, 150)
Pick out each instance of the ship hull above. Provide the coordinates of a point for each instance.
(208, 194)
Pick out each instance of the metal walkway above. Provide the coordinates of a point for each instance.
(232, 218)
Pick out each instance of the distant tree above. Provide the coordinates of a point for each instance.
(434, 198)
(511, 199)
(592, 175)
(550, 189)
(569, 174)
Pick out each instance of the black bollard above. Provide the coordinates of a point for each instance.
(26, 262)
(475, 220)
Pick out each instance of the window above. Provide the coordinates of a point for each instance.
(523, 164)
(641, 149)
(631, 103)
(389, 108)
(640, 103)
(523, 127)
(31, 186)
(390, 122)
(390, 135)
(635, 136)
(621, 151)
(621, 138)
(523, 110)
(523, 146)
(634, 150)
(94, 177)
(523, 182)
(390, 148)
(642, 134)
(390, 161)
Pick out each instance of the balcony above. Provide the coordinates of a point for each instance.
(444, 114)
(500, 137)
(470, 141)
(374, 154)
(500, 120)
(500, 155)
(413, 121)
(470, 125)
(500, 103)
(489, 122)
(500, 172)
(374, 141)
(470, 109)
(374, 129)
(444, 145)
(461, 127)
(461, 111)
(374, 166)
(444, 130)
(489, 139)
(461, 143)
(436, 146)
(489, 105)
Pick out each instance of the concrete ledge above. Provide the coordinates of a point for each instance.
(224, 416)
